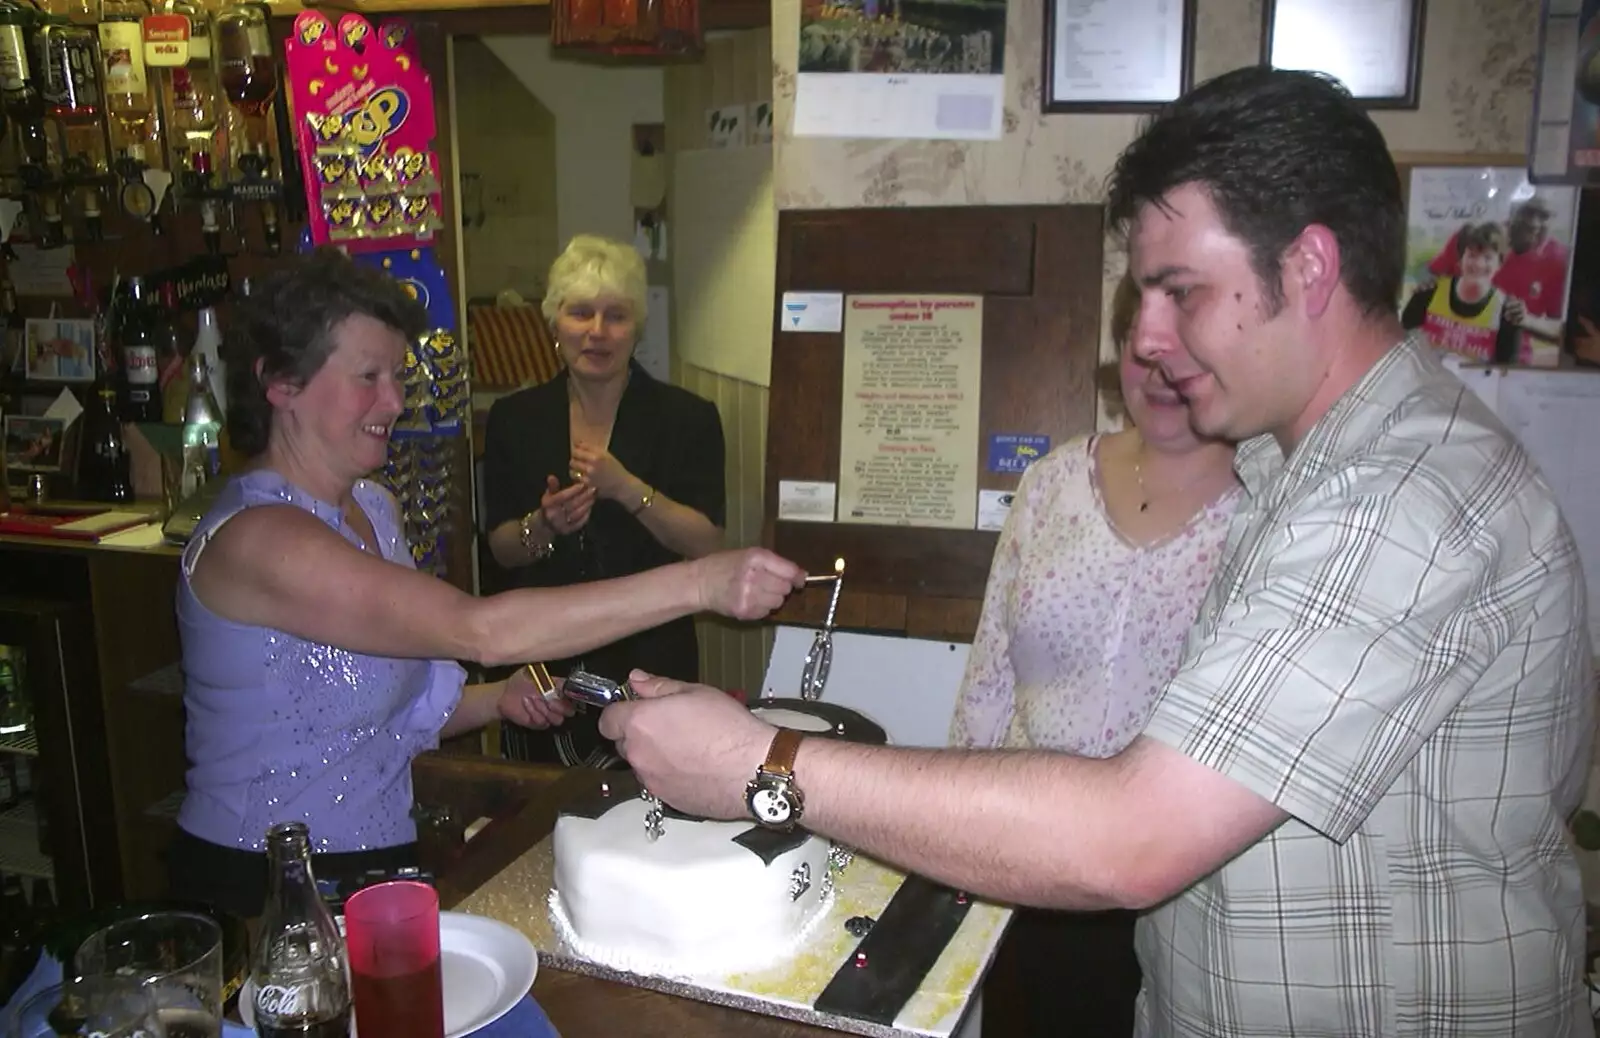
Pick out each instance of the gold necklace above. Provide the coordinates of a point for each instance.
(1138, 475)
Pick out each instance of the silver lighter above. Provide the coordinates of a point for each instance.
(594, 690)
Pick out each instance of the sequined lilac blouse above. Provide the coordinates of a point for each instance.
(283, 729)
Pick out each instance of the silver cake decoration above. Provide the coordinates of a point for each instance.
(800, 880)
(653, 818)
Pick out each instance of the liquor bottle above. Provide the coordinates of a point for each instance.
(19, 86)
(202, 428)
(140, 340)
(302, 988)
(16, 714)
(65, 62)
(106, 469)
(15, 328)
(127, 81)
(208, 343)
(178, 41)
(171, 363)
(16, 920)
(247, 68)
(17, 956)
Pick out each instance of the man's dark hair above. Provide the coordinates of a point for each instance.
(1277, 151)
(287, 324)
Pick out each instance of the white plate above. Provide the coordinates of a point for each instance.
(487, 967)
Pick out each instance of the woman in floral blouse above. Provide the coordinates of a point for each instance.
(1097, 577)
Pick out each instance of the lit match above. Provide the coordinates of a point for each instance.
(823, 578)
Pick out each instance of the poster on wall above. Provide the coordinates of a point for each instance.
(909, 437)
(1488, 261)
(932, 69)
(1583, 302)
(1565, 129)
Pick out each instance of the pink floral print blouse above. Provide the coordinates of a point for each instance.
(1081, 628)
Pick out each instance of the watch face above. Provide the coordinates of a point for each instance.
(770, 806)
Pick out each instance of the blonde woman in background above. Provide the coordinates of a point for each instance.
(601, 472)
(1097, 577)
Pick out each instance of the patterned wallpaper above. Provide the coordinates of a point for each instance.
(1477, 67)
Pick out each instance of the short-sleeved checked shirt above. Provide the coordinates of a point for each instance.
(1395, 652)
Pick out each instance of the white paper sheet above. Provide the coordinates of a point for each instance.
(812, 312)
(40, 272)
(1556, 415)
(993, 508)
(806, 502)
(952, 107)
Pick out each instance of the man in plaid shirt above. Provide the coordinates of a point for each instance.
(1346, 815)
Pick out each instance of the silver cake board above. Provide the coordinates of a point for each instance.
(519, 895)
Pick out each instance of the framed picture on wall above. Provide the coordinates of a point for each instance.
(1127, 56)
(1374, 47)
(34, 444)
(1564, 133)
(1488, 262)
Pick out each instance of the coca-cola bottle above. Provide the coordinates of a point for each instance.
(139, 337)
(302, 988)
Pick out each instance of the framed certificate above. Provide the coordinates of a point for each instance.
(1374, 47)
(1116, 55)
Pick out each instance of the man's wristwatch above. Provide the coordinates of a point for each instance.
(772, 796)
(535, 550)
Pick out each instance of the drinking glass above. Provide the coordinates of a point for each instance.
(392, 935)
(177, 956)
(112, 1007)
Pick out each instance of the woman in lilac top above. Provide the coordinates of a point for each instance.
(318, 661)
(1098, 574)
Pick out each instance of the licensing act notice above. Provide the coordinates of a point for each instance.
(908, 438)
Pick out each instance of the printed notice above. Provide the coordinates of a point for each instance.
(908, 453)
(993, 508)
(804, 502)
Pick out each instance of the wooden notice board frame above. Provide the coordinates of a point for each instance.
(1040, 272)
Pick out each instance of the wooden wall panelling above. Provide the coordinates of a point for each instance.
(737, 69)
(1039, 271)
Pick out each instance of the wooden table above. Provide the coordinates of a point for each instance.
(530, 798)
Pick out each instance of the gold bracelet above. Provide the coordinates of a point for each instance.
(646, 501)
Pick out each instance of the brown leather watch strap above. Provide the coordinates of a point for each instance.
(780, 755)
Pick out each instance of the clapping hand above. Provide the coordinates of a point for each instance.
(566, 510)
(522, 703)
(747, 584)
(598, 468)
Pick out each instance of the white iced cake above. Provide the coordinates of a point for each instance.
(705, 899)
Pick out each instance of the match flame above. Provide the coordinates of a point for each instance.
(838, 565)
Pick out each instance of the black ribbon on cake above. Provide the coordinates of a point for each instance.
(889, 965)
